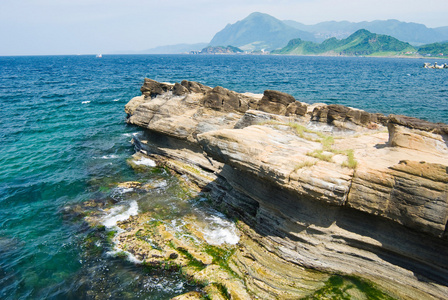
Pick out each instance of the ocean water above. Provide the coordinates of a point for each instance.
(63, 138)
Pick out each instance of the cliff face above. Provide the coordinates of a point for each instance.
(322, 186)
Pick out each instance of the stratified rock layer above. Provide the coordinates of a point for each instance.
(320, 186)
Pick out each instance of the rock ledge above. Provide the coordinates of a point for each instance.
(326, 187)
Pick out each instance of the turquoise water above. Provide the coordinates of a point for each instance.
(63, 137)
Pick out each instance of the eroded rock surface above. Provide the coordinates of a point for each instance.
(418, 134)
(324, 187)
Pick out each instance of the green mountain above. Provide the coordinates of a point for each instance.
(220, 50)
(413, 33)
(362, 42)
(258, 31)
(435, 49)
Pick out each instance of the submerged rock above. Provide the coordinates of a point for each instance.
(317, 186)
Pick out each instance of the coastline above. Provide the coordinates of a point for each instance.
(320, 55)
(331, 171)
(82, 157)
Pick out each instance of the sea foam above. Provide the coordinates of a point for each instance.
(144, 161)
(218, 230)
(120, 213)
(111, 156)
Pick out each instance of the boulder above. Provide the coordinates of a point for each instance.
(296, 108)
(152, 88)
(414, 123)
(275, 102)
(195, 87)
(220, 98)
(412, 133)
(346, 117)
(179, 90)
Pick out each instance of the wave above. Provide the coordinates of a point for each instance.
(217, 229)
(111, 156)
(144, 161)
(220, 231)
(120, 213)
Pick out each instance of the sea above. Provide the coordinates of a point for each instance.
(64, 141)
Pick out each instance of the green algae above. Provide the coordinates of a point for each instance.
(339, 287)
(221, 257)
(192, 261)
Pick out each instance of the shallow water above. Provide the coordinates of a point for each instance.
(63, 141)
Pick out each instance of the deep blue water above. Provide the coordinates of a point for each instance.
(62, 130)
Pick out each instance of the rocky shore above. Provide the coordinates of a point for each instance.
(316, 189)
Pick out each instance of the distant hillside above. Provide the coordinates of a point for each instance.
(174, 49)
(362, 42)
(258, 31)
(220, 50)
(435, 49)
(413, 33)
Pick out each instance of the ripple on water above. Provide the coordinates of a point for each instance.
(120, 212)
(56, 150)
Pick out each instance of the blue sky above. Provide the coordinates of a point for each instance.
(98, 26)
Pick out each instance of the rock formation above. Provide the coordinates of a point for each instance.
(325, 187)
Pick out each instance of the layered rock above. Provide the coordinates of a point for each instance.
(343, 116)
(418, 134)
(410, 193)
(321, 186)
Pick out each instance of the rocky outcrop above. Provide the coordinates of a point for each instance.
(410, 193)
(152, 88)
(320, 186)
(343, 116)
(418, 134)
(275, 102)
(222, 99)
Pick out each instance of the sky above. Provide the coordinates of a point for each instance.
(45, 27)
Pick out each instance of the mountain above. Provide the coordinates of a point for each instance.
(434, 49)
(413, 33)
(174, 49)
(220, 50)
(258, 31)
(362, 42)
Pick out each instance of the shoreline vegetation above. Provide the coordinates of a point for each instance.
(360, 44)
(261, 33)
(379, 55)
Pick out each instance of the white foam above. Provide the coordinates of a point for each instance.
(109, 156)
(160, 184)
(131, 257)
(120, 213)
(144, 161)
(85, 102)
(220, 231)
(124, 190)
(127, 134)
(115, 100)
